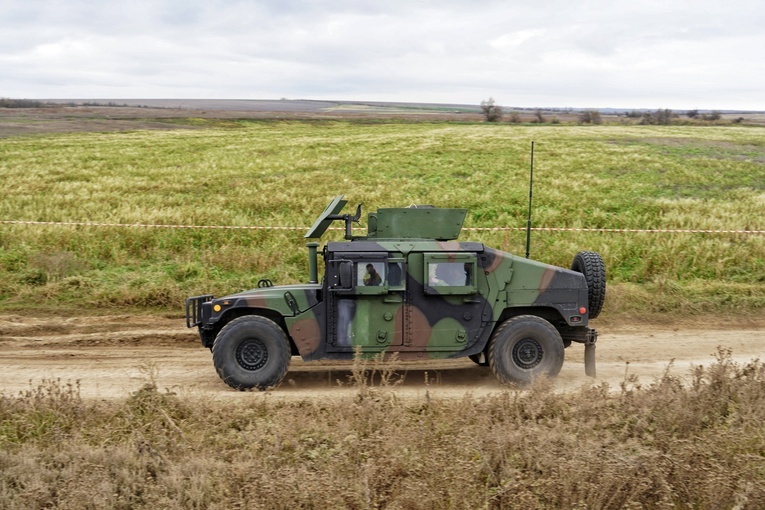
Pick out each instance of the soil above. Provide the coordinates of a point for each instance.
(166, 115)
(74, 116)
(113, 356)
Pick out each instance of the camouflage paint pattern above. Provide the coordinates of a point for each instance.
(414, 312)
(414, 319)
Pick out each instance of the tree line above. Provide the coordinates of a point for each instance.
(492, 112)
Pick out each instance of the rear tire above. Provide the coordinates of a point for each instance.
(251, 352)
(524, 348)
(591, 265)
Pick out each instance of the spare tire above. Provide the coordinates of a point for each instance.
(591, 265)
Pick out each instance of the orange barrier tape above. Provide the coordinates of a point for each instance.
(474, 229)
(620, 230)
(140, 225)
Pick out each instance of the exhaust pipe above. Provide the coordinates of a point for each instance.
(313, 271)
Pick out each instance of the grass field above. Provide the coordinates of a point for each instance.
(679, 444)
(691, 441)
(244, 173)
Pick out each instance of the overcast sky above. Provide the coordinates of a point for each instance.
(705, 54)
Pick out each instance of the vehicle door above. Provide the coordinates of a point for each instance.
(446, 309)
(366, 298)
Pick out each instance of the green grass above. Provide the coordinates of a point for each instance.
(284, 173)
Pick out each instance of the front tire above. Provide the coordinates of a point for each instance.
(524, 348)
(251, 352)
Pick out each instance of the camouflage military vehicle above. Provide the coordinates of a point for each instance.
(406, 287)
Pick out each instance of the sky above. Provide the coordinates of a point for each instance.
(700, 54)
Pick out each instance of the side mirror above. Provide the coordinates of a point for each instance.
(341, 276)
(345, 271)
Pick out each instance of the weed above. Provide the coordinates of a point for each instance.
(667, 444)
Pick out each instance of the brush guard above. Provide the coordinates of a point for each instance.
(194, 309)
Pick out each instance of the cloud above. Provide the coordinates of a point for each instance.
(549, 53)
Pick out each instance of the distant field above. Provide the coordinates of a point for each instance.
(265, 105)
(108, 115)
(228, 171)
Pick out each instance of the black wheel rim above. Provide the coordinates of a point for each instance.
(527, 353)
(251, 354)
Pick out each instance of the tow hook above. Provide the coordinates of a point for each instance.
(589, 352)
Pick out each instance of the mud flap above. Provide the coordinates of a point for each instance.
(589, 353)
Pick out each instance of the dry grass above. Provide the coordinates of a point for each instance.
(664, 445)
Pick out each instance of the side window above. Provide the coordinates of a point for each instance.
(370, 274)
(450, 273)
(395, 274)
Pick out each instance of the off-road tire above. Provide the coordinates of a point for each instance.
(591, 265)
(525, 348)
(251, 352)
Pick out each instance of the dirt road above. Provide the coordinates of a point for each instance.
(114, 356)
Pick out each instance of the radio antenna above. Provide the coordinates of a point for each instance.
(531, 187)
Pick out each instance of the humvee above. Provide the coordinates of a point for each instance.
(406, 287)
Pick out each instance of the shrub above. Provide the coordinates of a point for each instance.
(713, 115)
(491, 111)
(693, 442)
(20, 103)
(660, 117)
(590, 117)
